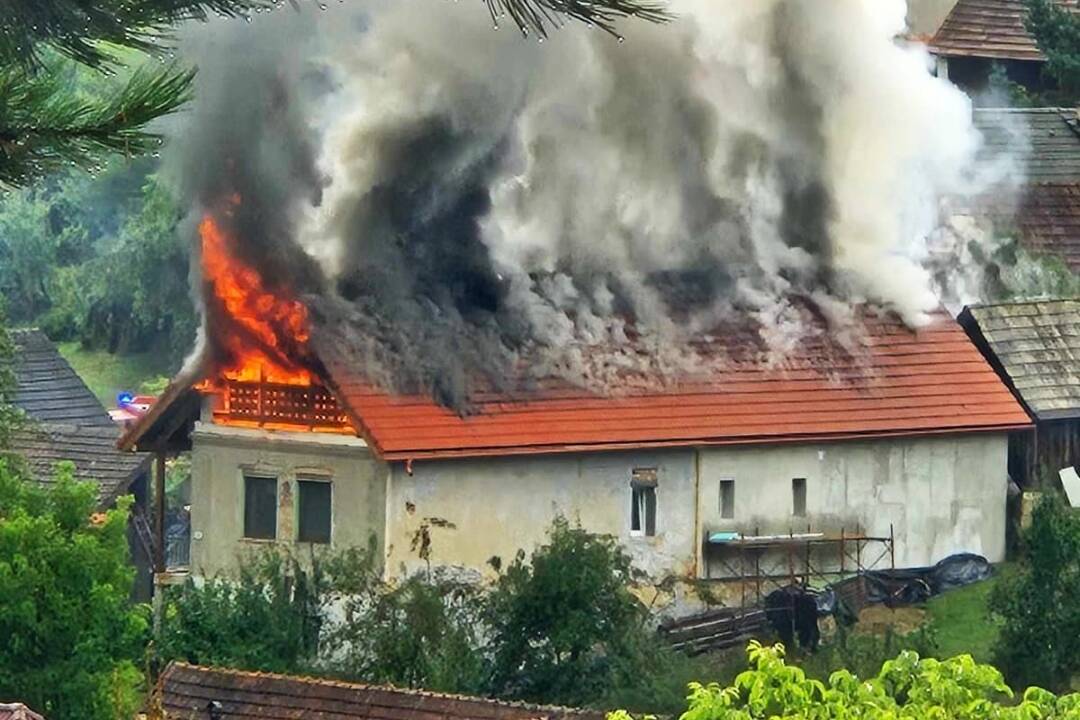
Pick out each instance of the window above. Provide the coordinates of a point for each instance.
(798, 497)
(314, 511)
(727, 498)
(260, 507)
(643, 502)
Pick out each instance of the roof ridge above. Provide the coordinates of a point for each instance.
(347, 684)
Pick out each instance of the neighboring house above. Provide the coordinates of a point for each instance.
(1041, 147)
(17, 711)
(1035, 347)
(976, 34)
(924, 17)
(190, 692)
(894, 433)
(66, 422)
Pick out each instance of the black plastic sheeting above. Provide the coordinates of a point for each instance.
(793, 611)
(916, 585)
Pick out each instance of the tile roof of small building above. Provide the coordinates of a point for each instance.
(17, 711)
(1036, 346)
(186, 692)
(1048, 220)
(894, 381)
(66, 421)
(988, 29)
(48, 388)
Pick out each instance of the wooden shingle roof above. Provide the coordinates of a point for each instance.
(90, 448)
(1035, 345)
(1045, 142)
(48, 388)
(988, 29)
(190, 692)
(66, 421)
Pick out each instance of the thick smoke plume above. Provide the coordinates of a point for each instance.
(454, 199)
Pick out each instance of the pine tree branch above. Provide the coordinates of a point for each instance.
(77, 28)
(540, 15)
(44, 125)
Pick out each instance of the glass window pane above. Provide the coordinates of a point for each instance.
(260, 507)
(314, 512)
(727, 499)
(650, 511)
(798, 497)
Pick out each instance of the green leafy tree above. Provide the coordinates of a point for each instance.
(417, 633)
(1056, 29)
(908, 687)
(269, 618)
(71, 639)
(11, 417)
(564, 625)
(1037, 607)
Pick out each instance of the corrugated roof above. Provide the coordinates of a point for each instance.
(92, 449)
(1045, 142)
(186, 692)
(48, 388)
(891, 382)
(1037, 346)
(988, 29)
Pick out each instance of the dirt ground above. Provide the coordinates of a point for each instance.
(877, 619)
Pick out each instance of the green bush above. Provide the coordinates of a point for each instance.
(269, 618)
(70, 640)
(1037, 605)
(907, 687)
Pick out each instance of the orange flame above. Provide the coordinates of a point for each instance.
(267, 320)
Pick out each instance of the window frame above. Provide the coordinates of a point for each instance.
(320, 480)
(245, 476)
(643, 484)
(799, 491)
(727, 500)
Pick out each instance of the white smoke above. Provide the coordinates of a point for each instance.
(748, 153)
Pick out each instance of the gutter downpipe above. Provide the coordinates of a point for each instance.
(699, 542)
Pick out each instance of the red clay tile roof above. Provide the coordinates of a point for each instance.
(895, 382)
(186, 692)
(989, 29)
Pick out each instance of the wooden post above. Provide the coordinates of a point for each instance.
(159, 512)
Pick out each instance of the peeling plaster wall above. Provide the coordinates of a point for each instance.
(220, 456)
(942, 494)
(500, 505)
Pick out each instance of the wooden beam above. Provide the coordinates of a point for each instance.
(159, 512)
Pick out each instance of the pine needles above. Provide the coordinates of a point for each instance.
(540, 15)
(44, 125)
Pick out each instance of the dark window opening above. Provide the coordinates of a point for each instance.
(727, 499)
(260, 507)
(798, 497)
(643, 502)
(315, 511)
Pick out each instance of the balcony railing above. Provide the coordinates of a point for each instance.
(261, 403)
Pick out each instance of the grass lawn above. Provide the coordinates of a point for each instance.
(961, 620)
(107, 374)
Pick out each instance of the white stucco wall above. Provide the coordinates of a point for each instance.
(221, 455)
(501, 505)
(942, 495)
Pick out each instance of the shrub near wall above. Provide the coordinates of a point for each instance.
(908, 687)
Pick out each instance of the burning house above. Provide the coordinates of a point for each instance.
(678, 289)
(866, 431)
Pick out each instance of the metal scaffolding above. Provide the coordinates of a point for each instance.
(763, 563)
